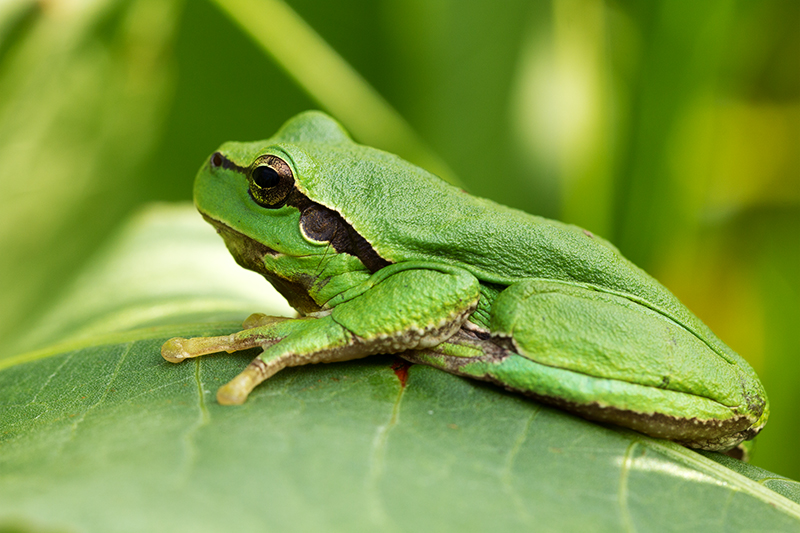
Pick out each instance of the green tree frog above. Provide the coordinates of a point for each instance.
(380, 256)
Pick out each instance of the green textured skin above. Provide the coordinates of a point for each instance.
(561, 315)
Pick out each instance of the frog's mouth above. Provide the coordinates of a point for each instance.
(241, 246)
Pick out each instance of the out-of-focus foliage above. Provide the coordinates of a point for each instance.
(671, 127)
(84, 89)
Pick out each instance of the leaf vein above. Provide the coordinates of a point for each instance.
(50, 378)
(624, 474)
(204, 417)
(378, 460)
(509, 466)
(101, 399)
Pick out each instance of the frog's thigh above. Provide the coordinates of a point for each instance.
(410, 309)
(613, 359)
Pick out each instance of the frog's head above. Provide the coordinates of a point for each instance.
(260, 197)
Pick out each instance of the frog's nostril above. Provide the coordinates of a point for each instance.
(217, 159)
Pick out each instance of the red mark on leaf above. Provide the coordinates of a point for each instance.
(400, 367)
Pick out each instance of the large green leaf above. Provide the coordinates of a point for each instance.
(99, 433)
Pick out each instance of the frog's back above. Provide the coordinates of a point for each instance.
(408, 214)
(413, 215)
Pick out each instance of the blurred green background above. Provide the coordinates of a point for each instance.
(670, 127)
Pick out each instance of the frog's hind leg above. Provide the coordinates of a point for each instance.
(606, 358)
(593, 398)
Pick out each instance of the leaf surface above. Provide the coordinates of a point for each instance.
(99, 433)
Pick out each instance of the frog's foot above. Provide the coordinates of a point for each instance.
(236, 391)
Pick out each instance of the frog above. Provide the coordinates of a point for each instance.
(379, 256)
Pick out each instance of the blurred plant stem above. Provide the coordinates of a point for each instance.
(329, 80)
(562, 111)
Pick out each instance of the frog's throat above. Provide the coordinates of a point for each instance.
(249, 254)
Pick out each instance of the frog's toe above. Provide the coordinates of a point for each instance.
(236, 391)
(173, 350)
(231, 394)
(255, 320)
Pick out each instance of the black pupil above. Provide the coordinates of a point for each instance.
(265, 177)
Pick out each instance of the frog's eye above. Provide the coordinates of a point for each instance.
(265, 177)
(271, 181)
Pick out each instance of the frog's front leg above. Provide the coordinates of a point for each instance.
(402, 307)
(259, 330)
